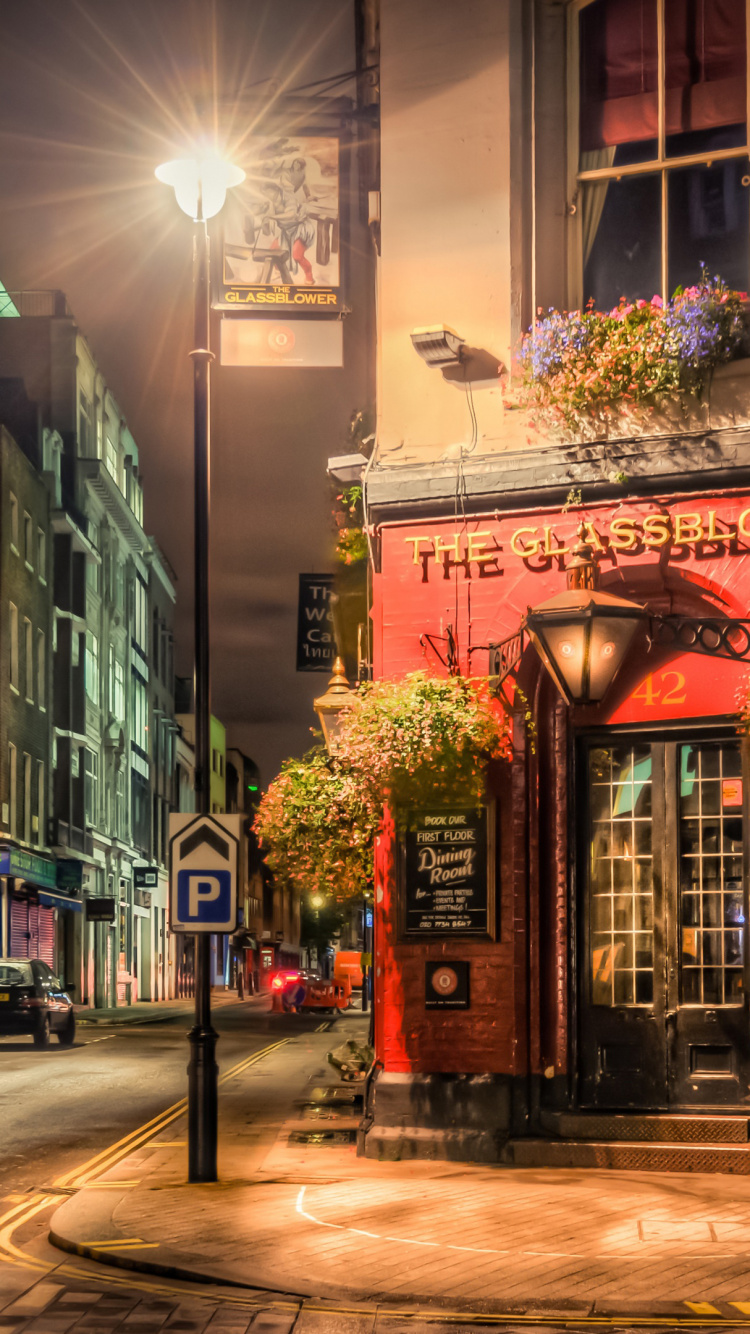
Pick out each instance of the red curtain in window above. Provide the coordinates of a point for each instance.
(705, 68)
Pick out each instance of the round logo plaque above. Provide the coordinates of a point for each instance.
(445, 980)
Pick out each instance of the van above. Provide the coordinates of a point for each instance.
(347, 964)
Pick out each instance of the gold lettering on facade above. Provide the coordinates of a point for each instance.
(416, 543)
(449, 548)
(626, 532)
(712, 535)
(657, 530)
(688, 528)
(622, 534)
(532, 548)
(475, 548)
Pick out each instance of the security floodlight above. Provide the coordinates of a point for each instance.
(438, 345)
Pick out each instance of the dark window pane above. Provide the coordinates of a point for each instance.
(710, 793)
(710, 759)
(733, 906)
(708, 220)
(712, 990)
(644, 988)
(621, 223)
(732, 835)
(618, 72)
(690, 910)
(705, 64)
(691, 837)
(691, 986)
(732, 762)
(712, 909)
(623, 988)
(733, 982)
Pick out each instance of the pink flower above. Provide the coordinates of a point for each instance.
(640, 303)
(657, 301)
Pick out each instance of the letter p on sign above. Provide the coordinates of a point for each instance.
(204, 897)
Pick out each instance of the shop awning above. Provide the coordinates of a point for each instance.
(59, 901)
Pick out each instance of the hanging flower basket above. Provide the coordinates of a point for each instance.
(414, 742)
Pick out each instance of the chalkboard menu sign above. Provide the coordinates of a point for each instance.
(447, 873)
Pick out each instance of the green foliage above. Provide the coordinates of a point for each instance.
(317, 828)
(413, 742)
(423, 739)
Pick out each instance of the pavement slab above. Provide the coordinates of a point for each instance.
(314, 1221)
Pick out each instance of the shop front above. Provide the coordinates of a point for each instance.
(37, 916)
(597, 966)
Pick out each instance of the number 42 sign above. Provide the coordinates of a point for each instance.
(204, 867)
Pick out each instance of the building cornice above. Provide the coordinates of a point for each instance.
(527, 478)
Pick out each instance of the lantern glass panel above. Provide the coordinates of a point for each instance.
(610, 636)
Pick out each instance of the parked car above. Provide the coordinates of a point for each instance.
(33, 1000)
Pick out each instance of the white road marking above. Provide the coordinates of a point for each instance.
(491, 1250)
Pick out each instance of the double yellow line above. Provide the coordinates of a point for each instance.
(83, 1175)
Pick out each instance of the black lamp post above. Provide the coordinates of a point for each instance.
(200, 187)
(582, 635)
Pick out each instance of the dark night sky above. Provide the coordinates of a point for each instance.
(93, 96)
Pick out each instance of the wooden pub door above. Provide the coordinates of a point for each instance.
(662, 884)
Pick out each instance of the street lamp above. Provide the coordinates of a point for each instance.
(200, 186)
(582, 635)
(333, 707)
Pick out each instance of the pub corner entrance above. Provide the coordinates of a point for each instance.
(662, 903)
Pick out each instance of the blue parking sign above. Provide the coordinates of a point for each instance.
(204, 897)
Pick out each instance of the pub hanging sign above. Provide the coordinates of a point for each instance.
(448, 873)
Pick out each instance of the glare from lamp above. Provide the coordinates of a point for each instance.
(200, 184)
(438, 344)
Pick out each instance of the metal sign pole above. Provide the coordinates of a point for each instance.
(202, 1067)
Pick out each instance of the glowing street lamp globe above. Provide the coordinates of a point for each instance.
(200, 184)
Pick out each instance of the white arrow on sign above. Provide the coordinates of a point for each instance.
(204, 872)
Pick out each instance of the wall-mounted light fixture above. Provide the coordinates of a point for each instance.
(333, 707)
(438, 345)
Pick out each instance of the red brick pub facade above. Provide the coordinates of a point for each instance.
(595, 1009)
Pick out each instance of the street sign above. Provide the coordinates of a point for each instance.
(100, 909)
(145, 877)
(204, 867)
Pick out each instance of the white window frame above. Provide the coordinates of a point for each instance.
(26, 797)
(28, 540)
(41, 555)
(41, 670)
(40, 802)
(91, 786)
(91, 670)
(28, 644)
(13, 789)
(14, 648)
(13, 524)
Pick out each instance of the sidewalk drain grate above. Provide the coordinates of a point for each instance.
(322, 1137)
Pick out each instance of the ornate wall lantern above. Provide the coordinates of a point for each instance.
(333, 707)
(582, 635)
